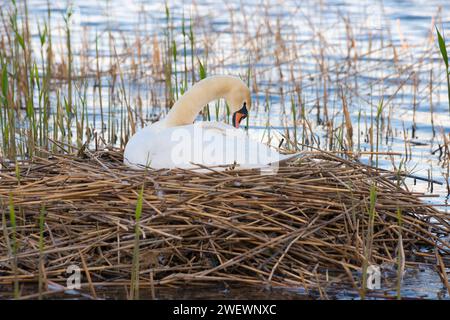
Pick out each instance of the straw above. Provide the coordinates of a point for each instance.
(306, 226)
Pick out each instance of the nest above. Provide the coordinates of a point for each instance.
(319, 220)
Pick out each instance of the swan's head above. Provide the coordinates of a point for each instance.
(239, 101)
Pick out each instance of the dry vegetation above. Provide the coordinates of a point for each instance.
(319, 221)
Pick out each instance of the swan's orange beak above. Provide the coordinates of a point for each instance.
(239, 115)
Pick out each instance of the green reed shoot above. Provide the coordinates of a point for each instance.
(202, 73)
(443, 49)
(168, 60)
(191, 41)
(369, 239)
(174, 54)
(137, 233)
(185, 82)
(69, 56)
(400, 246)
(4, 103)
(378, 118)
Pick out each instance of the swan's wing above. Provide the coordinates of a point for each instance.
(220, 127)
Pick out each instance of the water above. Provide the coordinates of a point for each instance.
(315, 51)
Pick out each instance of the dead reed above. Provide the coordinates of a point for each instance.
(315, 223)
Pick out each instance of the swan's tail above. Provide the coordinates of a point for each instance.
(284, 158)
(272, 168)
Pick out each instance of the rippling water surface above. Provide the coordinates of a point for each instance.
(309, 52)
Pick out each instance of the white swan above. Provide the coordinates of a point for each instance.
(177, 142)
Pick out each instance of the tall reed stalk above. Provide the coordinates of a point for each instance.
(134, 294)
(369, 237)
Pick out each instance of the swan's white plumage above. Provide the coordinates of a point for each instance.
(210, 144)
(175, 142)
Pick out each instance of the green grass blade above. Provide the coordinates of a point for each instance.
(442, 47)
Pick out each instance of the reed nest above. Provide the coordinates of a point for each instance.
(319, 220)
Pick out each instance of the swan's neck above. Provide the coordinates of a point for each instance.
(185, 110)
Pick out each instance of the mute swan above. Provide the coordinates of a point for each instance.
(177, 142)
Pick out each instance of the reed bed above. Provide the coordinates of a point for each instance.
(320, 220)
